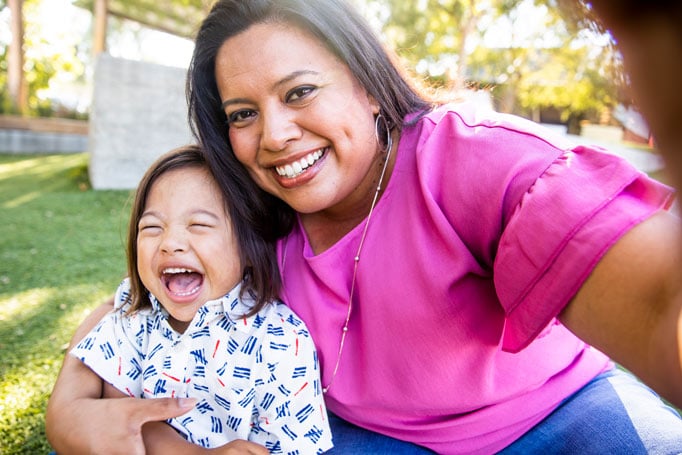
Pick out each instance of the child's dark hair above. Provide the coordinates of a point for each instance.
(261, 277)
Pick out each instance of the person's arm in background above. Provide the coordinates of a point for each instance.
(630, 307)
(649, 36)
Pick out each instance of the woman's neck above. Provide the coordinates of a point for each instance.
(326, 227)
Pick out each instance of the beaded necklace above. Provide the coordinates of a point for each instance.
(356, 261)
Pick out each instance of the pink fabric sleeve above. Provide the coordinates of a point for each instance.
(579, 207)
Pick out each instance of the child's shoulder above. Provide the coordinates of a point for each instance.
(276, 317)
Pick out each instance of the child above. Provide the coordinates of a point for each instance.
(198, 318)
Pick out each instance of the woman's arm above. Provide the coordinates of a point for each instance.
(631, 305)
(78, 421)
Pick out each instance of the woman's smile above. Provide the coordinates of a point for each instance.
(297, 167)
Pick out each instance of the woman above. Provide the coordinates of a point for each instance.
(446, 260)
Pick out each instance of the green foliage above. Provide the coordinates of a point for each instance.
(61, 247)
(5, 104)
(44, 58)
(563, 62)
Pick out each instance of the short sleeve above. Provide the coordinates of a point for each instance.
(110, 353)
(579, 207)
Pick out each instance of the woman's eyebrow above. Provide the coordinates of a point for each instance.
(293, 76)
(233, 101)
(279, 83)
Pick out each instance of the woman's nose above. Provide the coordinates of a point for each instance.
(279, 128)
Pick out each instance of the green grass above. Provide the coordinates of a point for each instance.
(61, 254)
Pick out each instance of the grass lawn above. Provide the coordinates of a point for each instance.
(61, 247)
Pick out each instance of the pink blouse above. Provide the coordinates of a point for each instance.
(487, 228)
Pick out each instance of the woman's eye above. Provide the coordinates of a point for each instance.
(299, 93)
(241, 116)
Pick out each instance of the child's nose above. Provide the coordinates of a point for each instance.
(174, 241)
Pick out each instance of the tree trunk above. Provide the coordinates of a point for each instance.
(573, 124)
(18, 90)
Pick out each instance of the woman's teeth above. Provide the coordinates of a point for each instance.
(297, 167)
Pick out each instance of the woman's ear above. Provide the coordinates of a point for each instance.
(376, 108)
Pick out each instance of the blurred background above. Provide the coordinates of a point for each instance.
(528, 55)
(91, 91)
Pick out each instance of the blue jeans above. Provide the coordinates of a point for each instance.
(613, 414)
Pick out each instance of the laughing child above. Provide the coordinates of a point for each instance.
(198, 317)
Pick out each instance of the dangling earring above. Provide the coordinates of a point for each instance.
(389, 139)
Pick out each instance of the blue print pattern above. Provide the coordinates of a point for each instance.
(255, 378)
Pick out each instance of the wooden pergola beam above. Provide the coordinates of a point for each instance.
(101, 11)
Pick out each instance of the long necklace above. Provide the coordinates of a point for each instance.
(356, 261)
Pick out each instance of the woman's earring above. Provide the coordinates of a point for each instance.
(380, 121)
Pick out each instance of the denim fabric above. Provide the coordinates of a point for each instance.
(613, 414)
(350, 439)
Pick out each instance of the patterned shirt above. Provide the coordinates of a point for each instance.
(254, 378)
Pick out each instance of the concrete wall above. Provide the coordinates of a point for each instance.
(42, 135)
(39, 142)
(138, 112)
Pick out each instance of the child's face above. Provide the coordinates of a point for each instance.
(187, 251)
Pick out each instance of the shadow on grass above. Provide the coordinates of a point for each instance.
(61, 254)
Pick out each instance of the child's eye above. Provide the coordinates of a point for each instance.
(240, 116)
(300, 93)
(149, 228)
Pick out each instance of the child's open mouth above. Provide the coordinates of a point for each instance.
(182, 282)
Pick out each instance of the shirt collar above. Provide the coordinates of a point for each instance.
(231, 305)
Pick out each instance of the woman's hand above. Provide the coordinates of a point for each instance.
(78, 420)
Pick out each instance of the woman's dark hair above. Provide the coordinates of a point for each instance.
(261, 277)
(341, 29)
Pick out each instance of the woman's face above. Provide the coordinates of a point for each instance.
(187, 253)
(298, 120)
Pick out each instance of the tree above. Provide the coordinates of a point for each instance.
(549, 61)
(564, 65)
(436, 36)
(41, 58)
(30, 62)
(17, 99)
